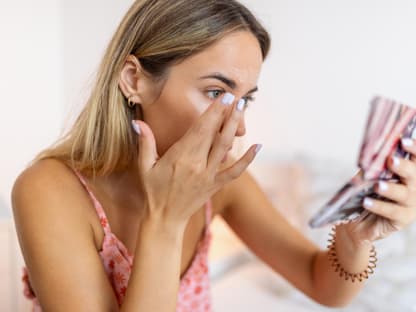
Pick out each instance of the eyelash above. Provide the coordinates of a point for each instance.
(246, 98)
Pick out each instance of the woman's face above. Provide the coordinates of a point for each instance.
(231, 65)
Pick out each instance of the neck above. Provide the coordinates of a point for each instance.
(126, 181)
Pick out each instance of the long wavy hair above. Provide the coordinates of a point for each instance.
(159, 33)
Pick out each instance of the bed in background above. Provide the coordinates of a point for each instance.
(298, 188)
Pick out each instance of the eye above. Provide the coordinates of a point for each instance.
(247, 100)
(213, 94)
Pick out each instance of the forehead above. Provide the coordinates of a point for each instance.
(237, 56)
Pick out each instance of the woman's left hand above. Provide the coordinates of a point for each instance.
(385, 217)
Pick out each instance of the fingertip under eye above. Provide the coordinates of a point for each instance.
(228, 98)
(241, 104)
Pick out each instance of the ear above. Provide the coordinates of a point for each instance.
(133, 82)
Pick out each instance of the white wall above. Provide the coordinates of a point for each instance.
(87, 27)
(30, 114)
(30, 84)
(328, 59)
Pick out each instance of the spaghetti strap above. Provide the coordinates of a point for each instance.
(100, 211)
(104, 219)
(194, 287)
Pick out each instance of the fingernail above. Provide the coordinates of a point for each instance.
(240, 105)
(136, 127)
(228, 98)
(368, 203)
(396, 161)
(258, 148)
(407, 142)
(382, 186)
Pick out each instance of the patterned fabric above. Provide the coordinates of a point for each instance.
(194, 289)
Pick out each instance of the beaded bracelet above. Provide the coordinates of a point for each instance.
(332, 256)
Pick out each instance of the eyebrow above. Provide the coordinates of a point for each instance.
(229, 82)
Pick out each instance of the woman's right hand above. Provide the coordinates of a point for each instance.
(177, 185)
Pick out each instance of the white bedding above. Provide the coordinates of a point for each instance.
(241, 282)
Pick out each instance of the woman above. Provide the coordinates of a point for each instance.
(148, 155)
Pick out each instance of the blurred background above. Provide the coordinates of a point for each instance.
(328, 59)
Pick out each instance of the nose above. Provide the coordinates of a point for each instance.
(241, 130)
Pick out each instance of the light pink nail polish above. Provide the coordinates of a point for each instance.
(136, 127)
(228, 99)
(368, 203)
(258, 148)
(407, 142)
(382, 186)
(240, 105)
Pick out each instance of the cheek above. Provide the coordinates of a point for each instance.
(188, 108)
(183, 109)
(175, 112)
(197, 101)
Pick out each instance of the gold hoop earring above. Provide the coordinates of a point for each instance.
(130, 103)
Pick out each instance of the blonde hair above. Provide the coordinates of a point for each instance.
(159, 33)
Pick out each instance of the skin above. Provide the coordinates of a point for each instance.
(174, 112)
(169, 109)
(185, 94)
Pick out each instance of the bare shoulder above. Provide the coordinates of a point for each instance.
(45, 174)
(49, 177)
(52, 217)
(46, 193)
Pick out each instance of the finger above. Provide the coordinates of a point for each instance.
(147, 154)
(391, 211)
(409, 146)
(224, 140)
(396, 192)
(198, 139)
(237, 169)
(404, 168)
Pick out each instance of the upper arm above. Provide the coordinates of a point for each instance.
(251, 215)
(57, 242)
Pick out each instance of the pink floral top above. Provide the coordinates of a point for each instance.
(194, 290)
